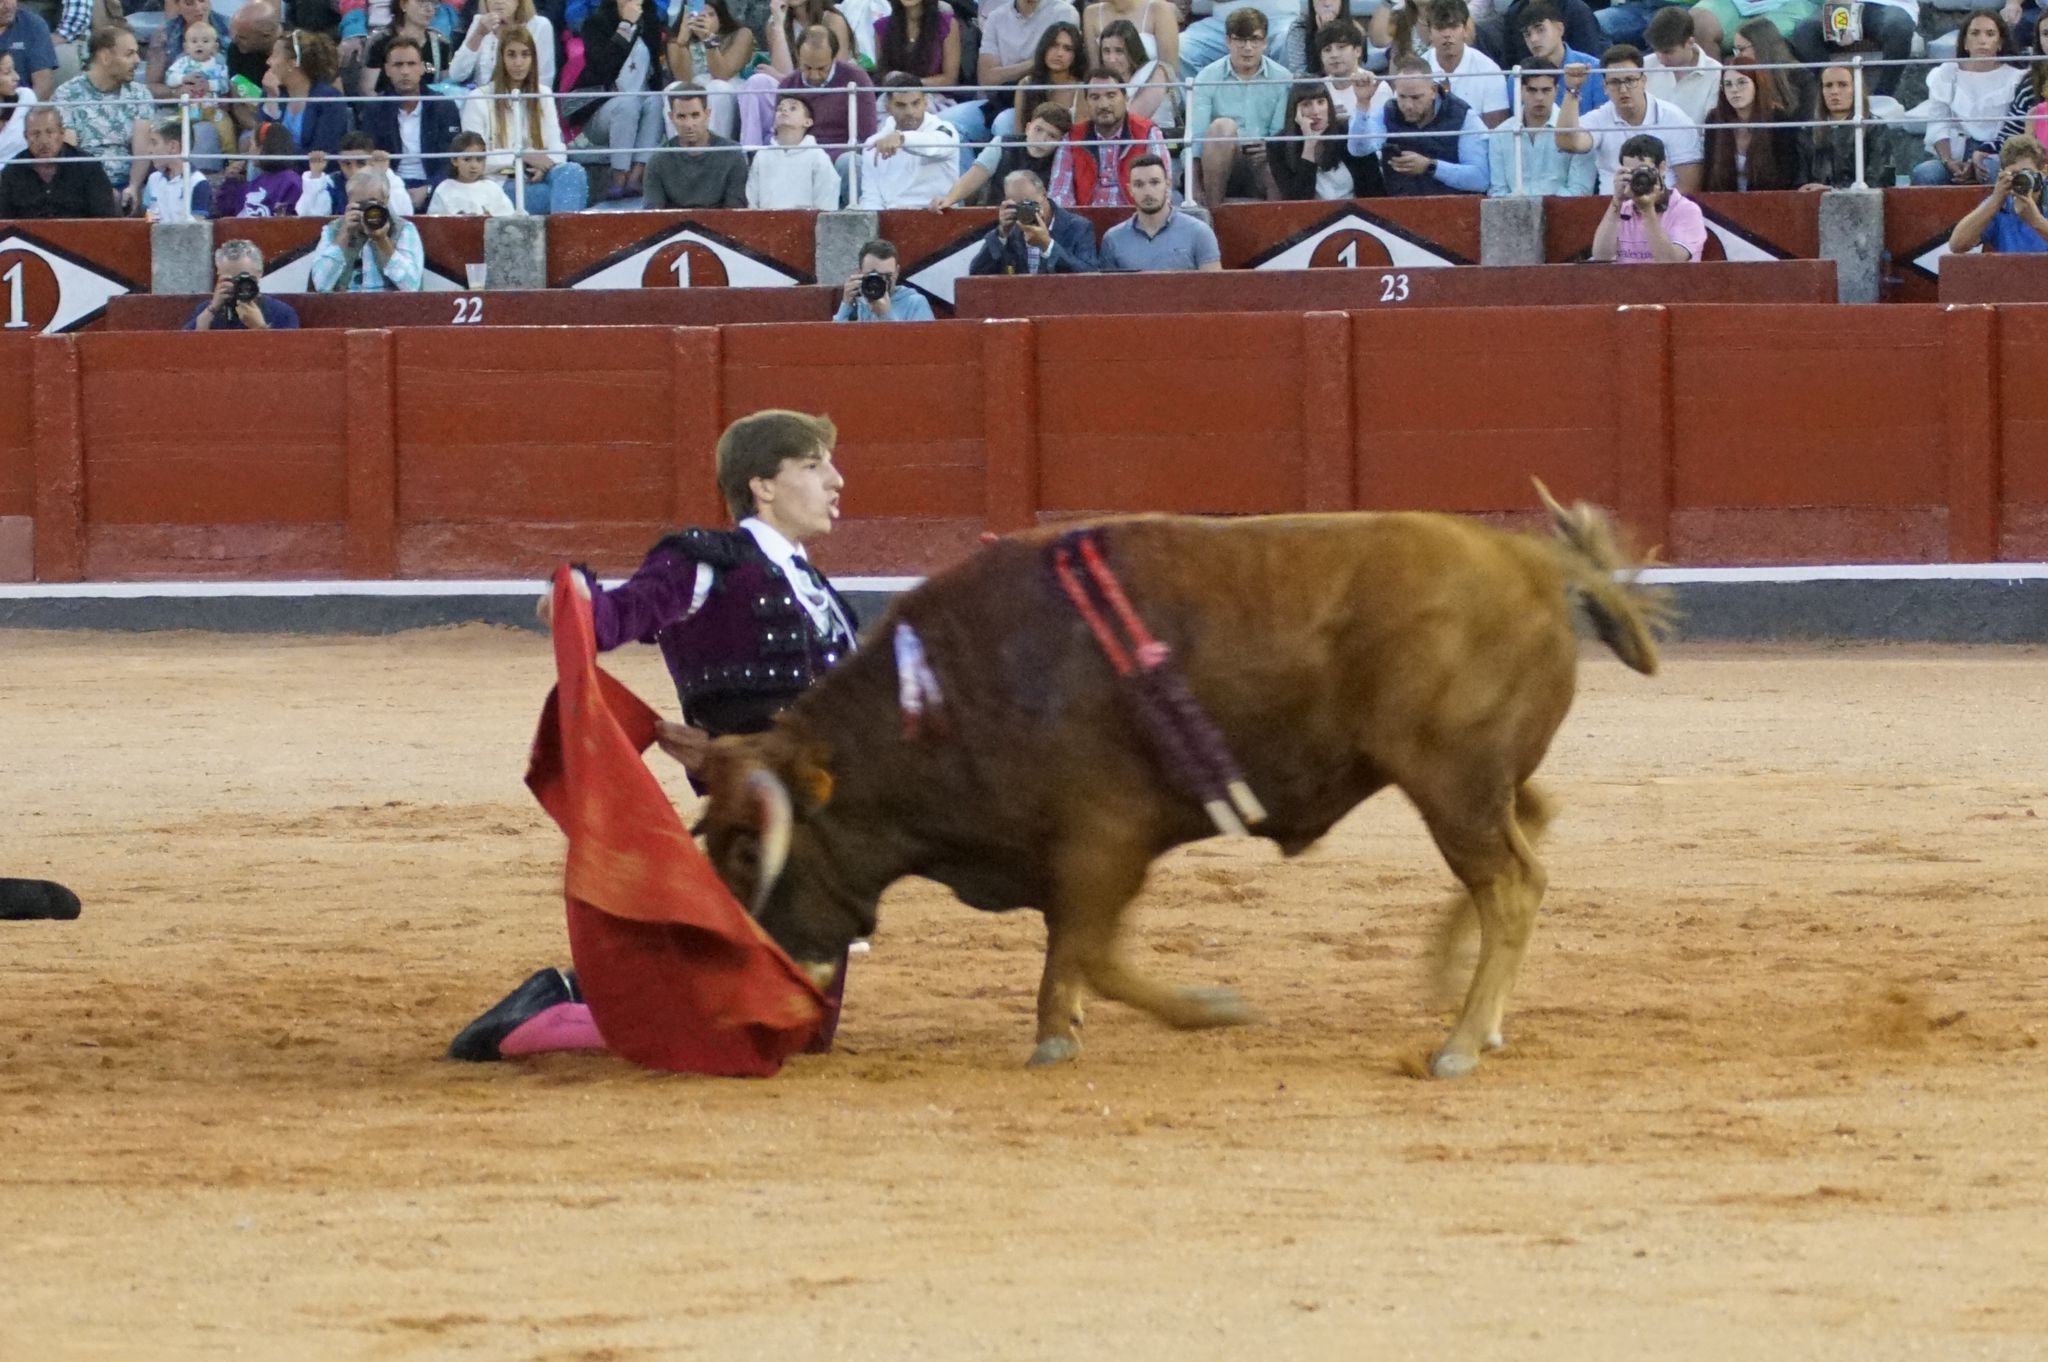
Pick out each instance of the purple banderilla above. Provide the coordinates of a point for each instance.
(1183, 737)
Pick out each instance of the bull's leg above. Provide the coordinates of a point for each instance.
(1059, 996)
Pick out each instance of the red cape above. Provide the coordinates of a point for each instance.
(677, 975)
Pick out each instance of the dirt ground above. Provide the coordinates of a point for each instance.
(1773, 1086)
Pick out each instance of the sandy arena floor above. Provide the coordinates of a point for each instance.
(1773, 1087)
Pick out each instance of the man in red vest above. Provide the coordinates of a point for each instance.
(1093, 168)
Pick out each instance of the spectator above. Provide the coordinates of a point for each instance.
(1151, 87)
(174, 192)
(1739, 156)
(1677, 70)
(415, 24)
(1340, 51)
(822, 77)
(2032, 90)
(200, 74)
(369, 249)
(1546, 167)
(302, 93)
(1058, 71)
(1043, 138)
(1969, 99)
(525, 134)
(67, 182)
(252, 34)
(1157, 23)
(1629, 110)
(1011, 31)
(919, 38)
(169, 43)
(1648, 223)
(418, 130)
(911, 160)
(326, 187)
(476, 59)
(267, 186)
(792, 171)
(2008, 222)
(1304, 55)
(788, 23)
(107, 110)
(1238, 100)
(1887, 26)
(883, 299)
(1033, 235)
(1119, 138)
(1472, 77)
(1157, 236)
(466, 191)
(1206, 41)
(1831, 148)
(1628, 21)
(626, 50)
(15, 102)
(1717, 19)
(1319, 165)
(1543, 34)
(25, 37)
(696, 168)
(238, 270)
(1427, 143)
(1759, 40)
(1500, 37)
(714, 50)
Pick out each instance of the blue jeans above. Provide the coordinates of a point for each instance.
(970, 119)
(565, 190)
(1627, 21)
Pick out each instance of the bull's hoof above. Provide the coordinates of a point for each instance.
(1216, 1007)
(1054, 1050)
(1493, 1041)
(1448, 1064)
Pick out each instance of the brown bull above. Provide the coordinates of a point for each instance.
(1337, 655)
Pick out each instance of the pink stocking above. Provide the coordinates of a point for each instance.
(565, 1026)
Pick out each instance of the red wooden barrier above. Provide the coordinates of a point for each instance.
(1752, 227)
(1978, 278)
(517, 307)
(2022, 435)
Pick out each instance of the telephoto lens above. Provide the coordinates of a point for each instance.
(376, 217)
(247, 289)
(1642, 182)
(2027, 183)
(874, 286)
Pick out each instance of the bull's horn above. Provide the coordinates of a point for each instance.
(772, 801)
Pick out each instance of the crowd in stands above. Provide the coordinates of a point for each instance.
(495, 107)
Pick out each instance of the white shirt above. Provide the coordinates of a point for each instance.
(921, 170)
(475, 67)
(1968, 104)
(317, 199)
(1691, 89)
(410, 167)
(1477, 80)
(1663, 120)
(826, 616)
(14, 137)
(484, 199)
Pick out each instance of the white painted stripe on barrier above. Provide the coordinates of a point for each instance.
(444, 588)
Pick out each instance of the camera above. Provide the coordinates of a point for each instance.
(1027, 212)
(2027, 184)
(1643, 182)
(376, 217)
(874, 286)
(242, 288)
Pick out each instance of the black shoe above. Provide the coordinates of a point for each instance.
(22, 900)
(479, 1041)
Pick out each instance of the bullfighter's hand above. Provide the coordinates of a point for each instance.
(544, 608)
(686, 744)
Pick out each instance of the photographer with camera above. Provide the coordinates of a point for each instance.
(1034, 235)
(2009, 221)
(872, 293)
(369, 249)
(238, 302)
(1645, 222)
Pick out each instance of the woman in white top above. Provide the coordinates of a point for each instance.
(1151, 88)
(1969, 98)
(1157, 22)
(478, 55)
(524, 133)
(16, 100)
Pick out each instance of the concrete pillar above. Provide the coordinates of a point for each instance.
(1511, 231)
(181, 257)
(516, 252)
(840, 237)
(1852, 235)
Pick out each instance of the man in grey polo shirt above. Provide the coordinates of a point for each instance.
(1156, 237)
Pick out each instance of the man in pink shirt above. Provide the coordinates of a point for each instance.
(1645, 222)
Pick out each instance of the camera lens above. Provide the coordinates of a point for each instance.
(874, 286)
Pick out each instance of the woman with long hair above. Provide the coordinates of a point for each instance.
(1301, 56)
(1759, 41)
(477, 58)
(2032, 91)
(16, 99)
(714, 50)
(523, 133)
(1157, 24)
(1831, 148)
(1309, 159)
(627, 53)
(303, 97)
(1059, 72)
(1740, 155)
(920, 37)
(411, 19)
(1968, 100)
(1151, 86)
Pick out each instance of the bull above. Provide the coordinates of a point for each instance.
(1336, 655)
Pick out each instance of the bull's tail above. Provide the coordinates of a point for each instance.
(1626, 614)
